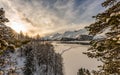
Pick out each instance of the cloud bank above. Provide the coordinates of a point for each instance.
(50, 16)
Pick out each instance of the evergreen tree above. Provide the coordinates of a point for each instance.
(8, 43)
(83, 71)
(3, 19)
(41, 59)
(107, 50)
(7, 35)
(29, 65)
(38, 37)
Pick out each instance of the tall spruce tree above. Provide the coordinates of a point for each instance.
(7, 35)
(107, 50)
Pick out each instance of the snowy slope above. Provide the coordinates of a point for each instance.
(14, 63)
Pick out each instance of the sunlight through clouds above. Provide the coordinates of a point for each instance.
(18, 27)
(50, 16)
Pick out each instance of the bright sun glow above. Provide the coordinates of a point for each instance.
(18, 27)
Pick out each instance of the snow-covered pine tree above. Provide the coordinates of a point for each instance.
(107, 50)
(8, 43)
(41, 59)
(7, 35)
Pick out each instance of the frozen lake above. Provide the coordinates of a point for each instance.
(73, 59)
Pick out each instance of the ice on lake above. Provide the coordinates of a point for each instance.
(73, 59)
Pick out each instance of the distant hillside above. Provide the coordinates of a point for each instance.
(81, 34)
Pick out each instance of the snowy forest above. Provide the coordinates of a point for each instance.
(21, 54)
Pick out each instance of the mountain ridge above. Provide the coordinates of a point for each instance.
(71, 35)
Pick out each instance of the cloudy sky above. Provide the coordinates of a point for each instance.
(50, 16)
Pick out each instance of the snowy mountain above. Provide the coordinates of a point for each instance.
(68, 34)
(74, 34)
(56, 36)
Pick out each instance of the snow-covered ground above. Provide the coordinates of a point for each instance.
(73, 58)
(14, 63)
